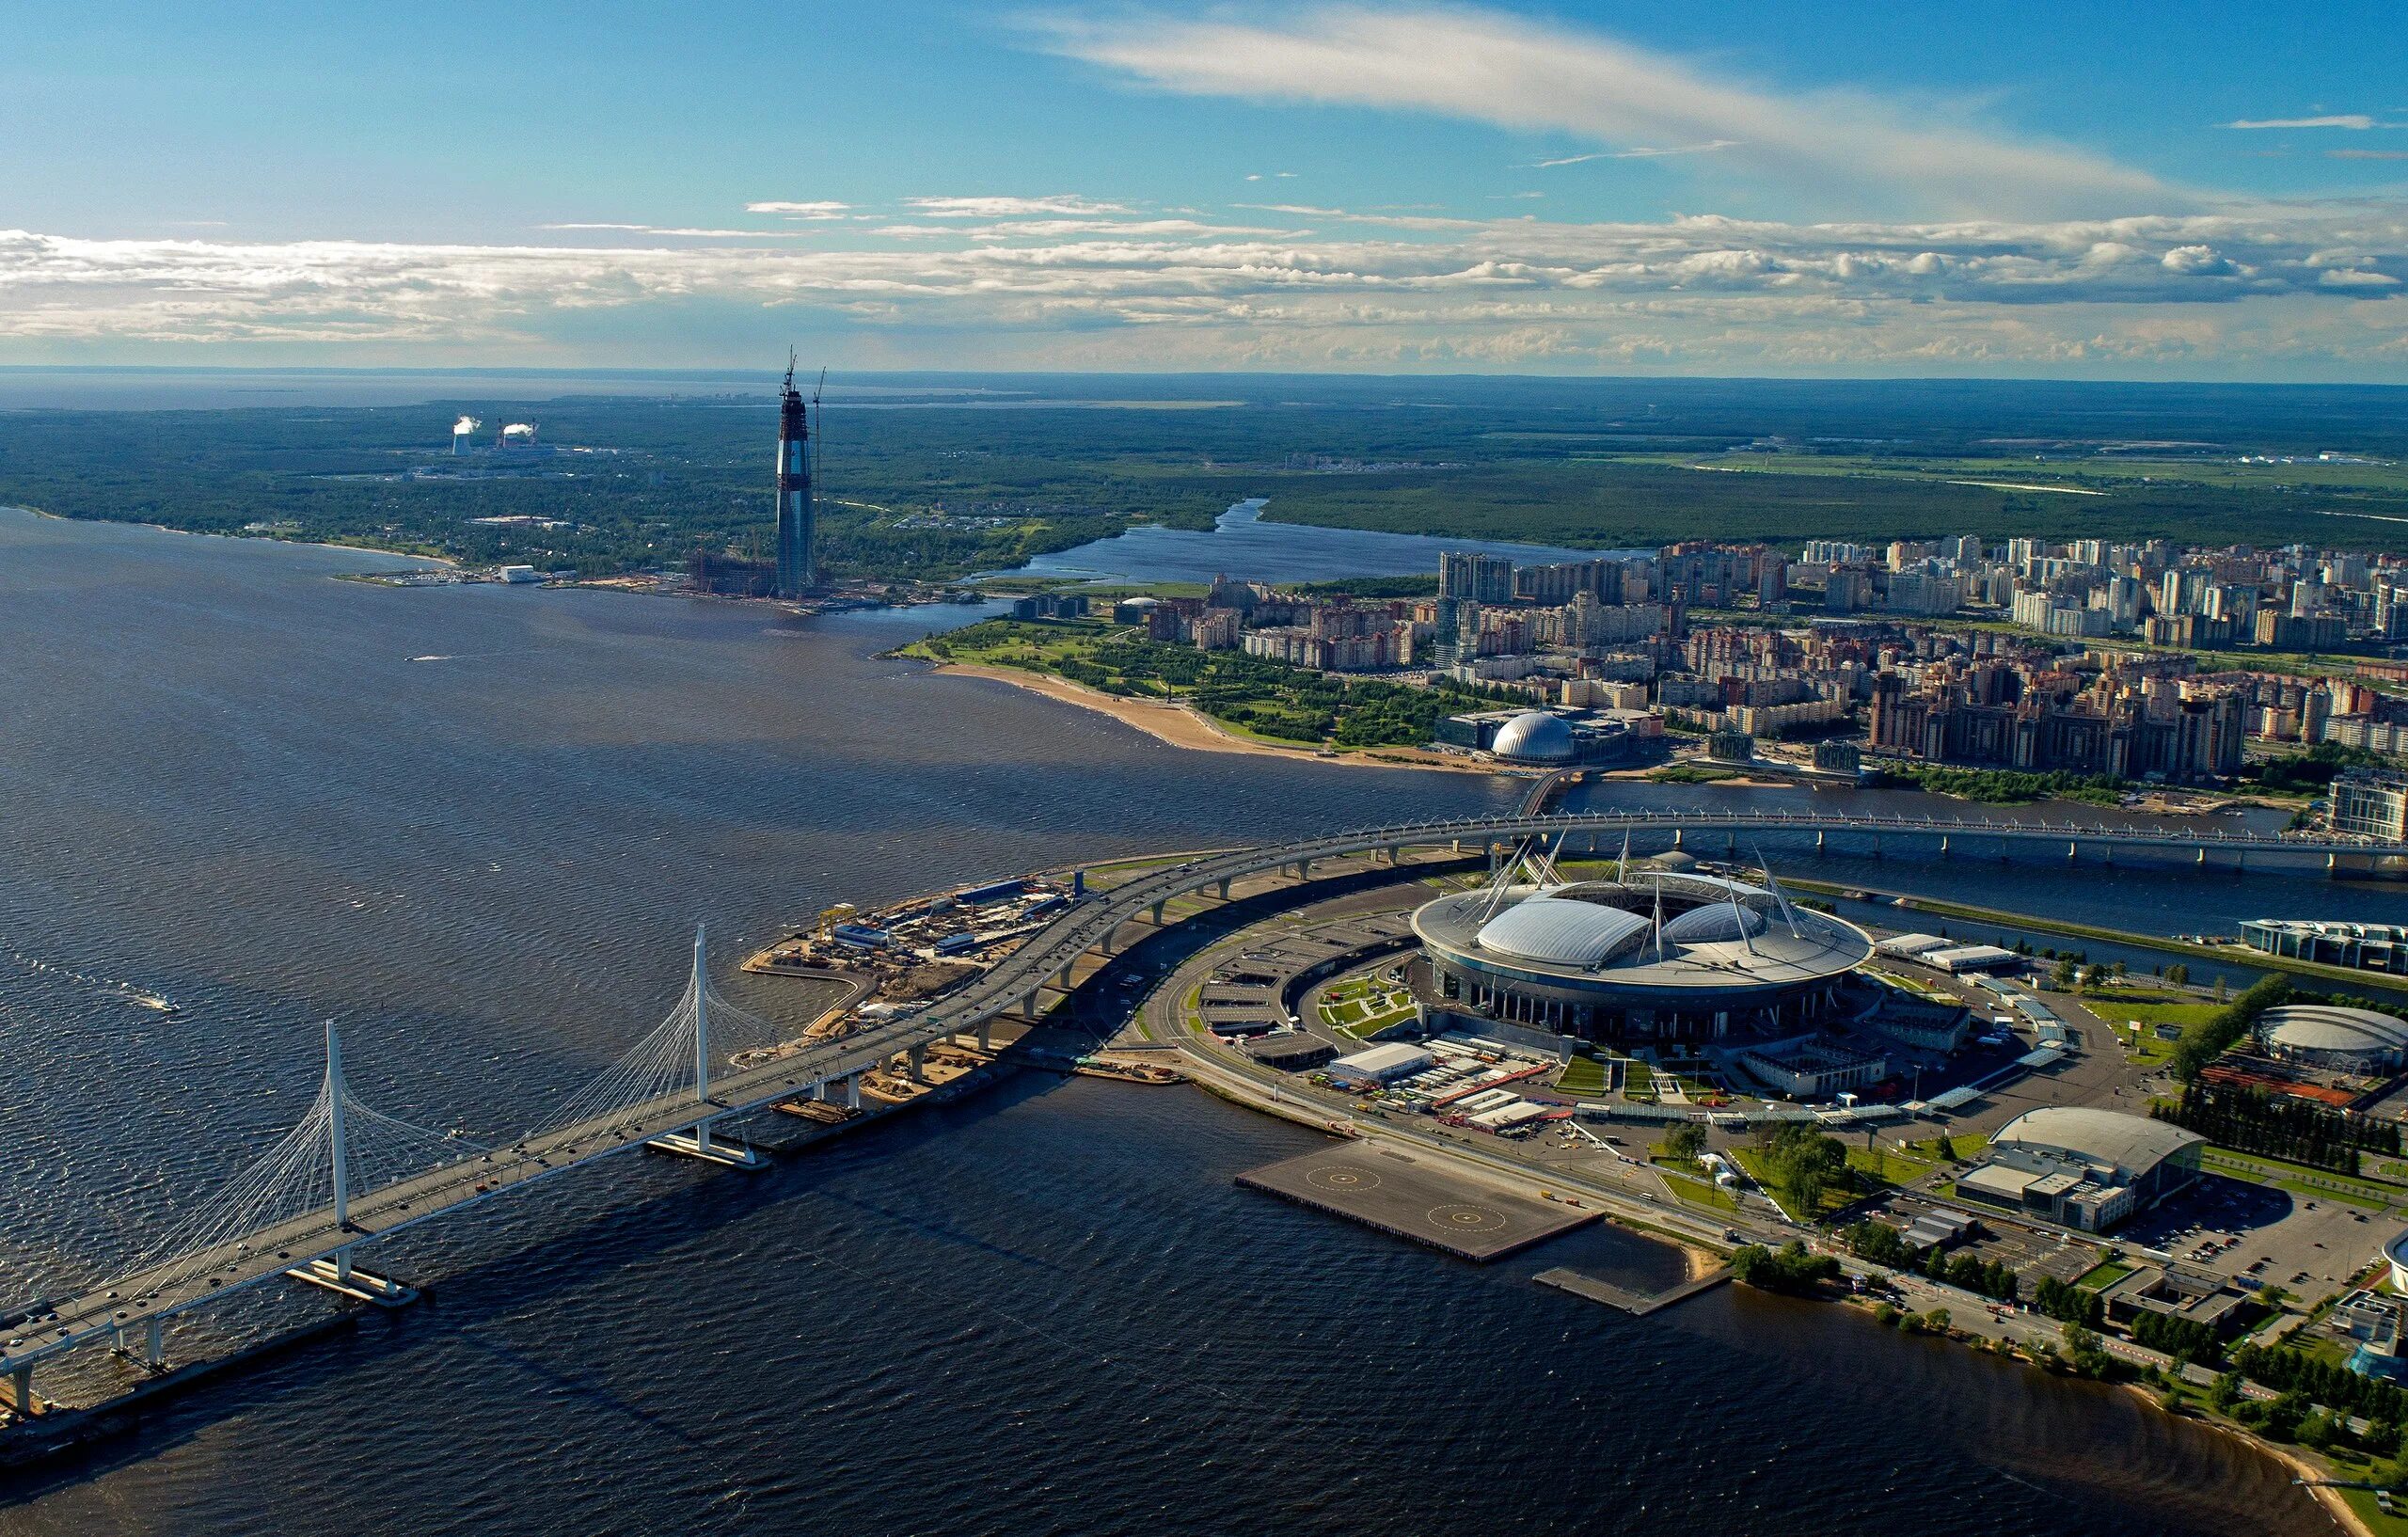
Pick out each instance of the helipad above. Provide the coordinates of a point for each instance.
(1414, 1199)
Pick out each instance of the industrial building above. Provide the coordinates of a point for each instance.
(1659, 956)
(2352, 1040)
(2365, 947)
(1380, 1065)
(2082, 1168)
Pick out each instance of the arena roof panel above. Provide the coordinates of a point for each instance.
(1560, 931)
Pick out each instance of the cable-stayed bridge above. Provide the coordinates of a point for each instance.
(348, 1174)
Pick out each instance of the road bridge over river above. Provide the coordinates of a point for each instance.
(347, 1174)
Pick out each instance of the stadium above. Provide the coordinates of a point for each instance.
(1666, 953)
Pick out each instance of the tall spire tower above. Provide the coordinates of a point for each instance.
(797, 571)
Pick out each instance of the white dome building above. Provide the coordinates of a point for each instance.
(1535, 736)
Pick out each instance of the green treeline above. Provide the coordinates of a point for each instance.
(2002, 786)
(2184, 1338)
(2069, 1302)
(1789, 1268)
(1292, 703)
(2326, 1381)
(1882, 1245)
(2250, 1119)
(2202, 1043)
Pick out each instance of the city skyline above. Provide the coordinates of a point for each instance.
(1348, 188)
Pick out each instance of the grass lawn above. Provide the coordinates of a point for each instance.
(2313, 1184)
(1964, 1146)
(1638, 1078)
(2106, 1273)
(1366, 1028)
(1582, 1075)
(2115, 1006)
(1698, 1191)
(2363, 1502)
(1891, 1165)
(1751, 1161)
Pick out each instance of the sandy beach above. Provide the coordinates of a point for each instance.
(1182, 727)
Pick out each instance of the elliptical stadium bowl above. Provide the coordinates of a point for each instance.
(1657, 955)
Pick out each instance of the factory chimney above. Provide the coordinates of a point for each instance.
(460, 431)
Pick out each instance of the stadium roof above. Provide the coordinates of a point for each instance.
(2322, 1027)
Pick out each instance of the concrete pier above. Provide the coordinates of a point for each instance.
(1426, 1203)
(343, 1278)
(700, 1144)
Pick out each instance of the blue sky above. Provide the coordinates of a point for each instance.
(2064, 190)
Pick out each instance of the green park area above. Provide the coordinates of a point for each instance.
(1582, 1075)
(1249, 694)
(1365, 1006)
(2304, 1179)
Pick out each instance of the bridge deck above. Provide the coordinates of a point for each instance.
(130, 1302)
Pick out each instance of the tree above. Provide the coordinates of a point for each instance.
(1685, 1141)
(2061, 976)
(1790, 1268)
(2086, 1354)
(1800, 1163)
(2178, 974)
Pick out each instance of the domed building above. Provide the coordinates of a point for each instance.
(1535, 736)
(1662, 956)
(2355, 1041)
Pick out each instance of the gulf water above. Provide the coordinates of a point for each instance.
(477, 825)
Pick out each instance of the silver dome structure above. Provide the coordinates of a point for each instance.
(2355, 1041)
(1559, 932)
(1663, 956)
(1535, 736)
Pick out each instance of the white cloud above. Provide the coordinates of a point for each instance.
(800, 211)
(1007, 208)
(673, 230)
(1641, 154)
(1520, 74)
(2233, 290)
(2358, 120)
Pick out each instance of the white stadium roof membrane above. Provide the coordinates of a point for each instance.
(1561, 931)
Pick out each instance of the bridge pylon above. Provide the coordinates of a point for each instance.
(695, 1141)
(336, 1274)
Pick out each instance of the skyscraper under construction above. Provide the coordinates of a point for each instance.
(797, 573)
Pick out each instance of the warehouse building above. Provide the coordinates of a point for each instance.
(1380, 1065)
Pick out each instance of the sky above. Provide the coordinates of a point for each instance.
(2140, 190)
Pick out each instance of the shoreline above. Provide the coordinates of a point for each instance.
(445, 560)
(1178, 725)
